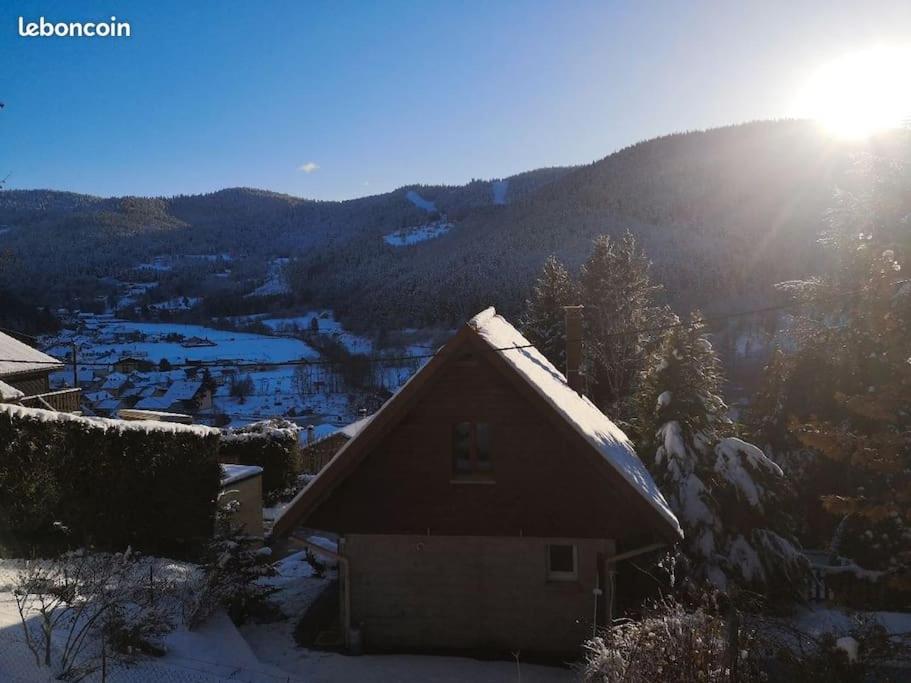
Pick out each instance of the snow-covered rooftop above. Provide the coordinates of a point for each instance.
(8, 393)
(107, 423)
(231, 474)
(355, 428)
(16, 357)
(579, 411)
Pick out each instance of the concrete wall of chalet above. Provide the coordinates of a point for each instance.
(542, 487)
(444, 592)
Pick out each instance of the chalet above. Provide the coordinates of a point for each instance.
(485, 506)
(27, 371)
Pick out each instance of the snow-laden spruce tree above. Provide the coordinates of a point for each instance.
(620, 300)
(725, 491)
(543, 319)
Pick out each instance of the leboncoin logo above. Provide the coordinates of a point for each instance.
(73, 29)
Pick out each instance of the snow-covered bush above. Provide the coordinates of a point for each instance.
(107, 483)
(272, 445)
(671, 643)
(726, 493)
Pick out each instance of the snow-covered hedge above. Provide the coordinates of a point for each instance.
(68, 481)
(272, 445)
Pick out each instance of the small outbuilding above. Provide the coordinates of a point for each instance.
(243, 484)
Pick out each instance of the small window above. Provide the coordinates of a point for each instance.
(471, 458)
(562, 563)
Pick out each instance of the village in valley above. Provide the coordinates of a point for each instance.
(574, 345)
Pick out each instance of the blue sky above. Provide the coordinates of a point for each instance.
(206, 95)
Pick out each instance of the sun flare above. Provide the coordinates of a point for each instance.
(862, 93)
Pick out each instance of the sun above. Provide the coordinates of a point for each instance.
(862, 93)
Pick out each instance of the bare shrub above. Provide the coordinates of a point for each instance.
(671, 643)
(80, 608)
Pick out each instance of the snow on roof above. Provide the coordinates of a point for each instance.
(107, 423)
(8, 393)
(355, 428)
(16, 357)
(608, 439)
(154, 403)
(183, 390)
(231, 474)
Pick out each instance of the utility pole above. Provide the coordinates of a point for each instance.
(75, 369)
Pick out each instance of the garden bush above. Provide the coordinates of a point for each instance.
(272, 445)
(68, 481)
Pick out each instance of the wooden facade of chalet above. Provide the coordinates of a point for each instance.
(28, 370)
(473, 514)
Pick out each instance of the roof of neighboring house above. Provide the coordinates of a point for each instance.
(8, 393)
(355, 428)
(162, 416)
(115, 380)
(183, 390)
(231, 474)
(515, 357)
(155, 403)
(17, 358)
(325, 432)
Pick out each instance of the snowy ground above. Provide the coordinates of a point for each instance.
(419, 233)
(420, 202)
(498, 189)
(261, 653)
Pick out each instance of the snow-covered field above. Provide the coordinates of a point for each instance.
(275, 280)
(420, 233)
(258, 652)
(154, 341)
(270, 361)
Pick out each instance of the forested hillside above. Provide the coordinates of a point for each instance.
(723, 214)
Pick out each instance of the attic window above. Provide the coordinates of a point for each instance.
(471, 458)
(562, 563)
(466, 359)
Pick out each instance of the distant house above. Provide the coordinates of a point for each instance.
(182, 395)
(27, 370)
(485, 506)
(130, 364)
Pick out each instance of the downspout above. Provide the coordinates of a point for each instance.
(612, 572)
(346, 581)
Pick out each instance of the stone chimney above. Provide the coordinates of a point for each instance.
(574, 346)
(311, 432)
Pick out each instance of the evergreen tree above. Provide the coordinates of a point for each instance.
(725, 491)
(620, 299)
(543, 320)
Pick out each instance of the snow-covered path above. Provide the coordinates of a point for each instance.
(261, 653)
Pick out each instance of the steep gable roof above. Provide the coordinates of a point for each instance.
(516, 358)
(17, 358)
(585, 418)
